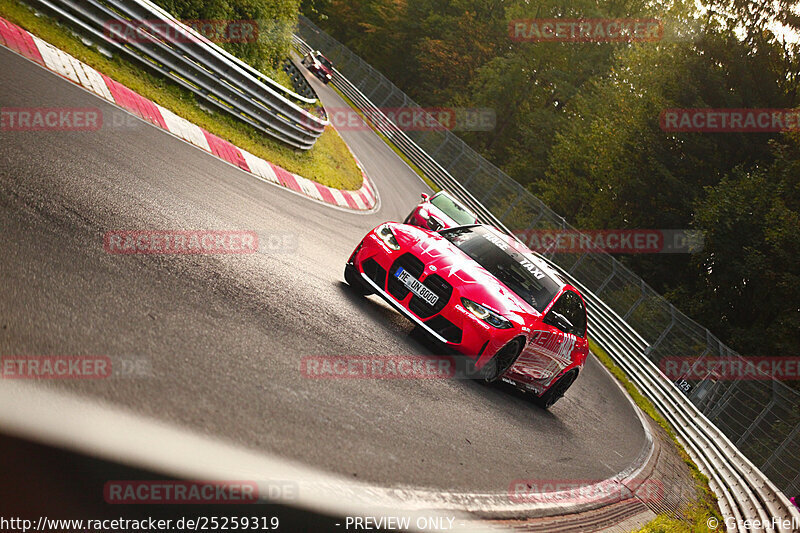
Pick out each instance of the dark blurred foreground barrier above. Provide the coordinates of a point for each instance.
(743, 433)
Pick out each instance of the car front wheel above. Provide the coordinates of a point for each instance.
(502, 361)
(354, 280)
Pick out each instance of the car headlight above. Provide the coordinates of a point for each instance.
(385, 234)
(487, 315)
(328, 76)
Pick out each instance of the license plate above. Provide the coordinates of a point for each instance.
(415, 286)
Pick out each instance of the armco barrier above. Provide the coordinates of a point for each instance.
(217, 78)
(727, 427)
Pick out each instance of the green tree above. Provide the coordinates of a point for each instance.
(748, 274)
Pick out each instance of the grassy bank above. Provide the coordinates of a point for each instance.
(704, 507)
(329, 162)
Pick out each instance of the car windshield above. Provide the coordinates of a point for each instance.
(324, 60)
(452, 209)
(512, 268)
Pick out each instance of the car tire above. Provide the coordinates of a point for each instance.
(502, 361)
(556, 390)
(354, 280)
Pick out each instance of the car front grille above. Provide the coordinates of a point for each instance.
(441, 288)
(434, 282)
(375, 272)
(410, 264)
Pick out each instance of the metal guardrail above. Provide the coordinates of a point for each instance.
(216, 78)
(744, 491)
(299, 82)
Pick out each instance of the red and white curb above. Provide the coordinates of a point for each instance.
(55, 60)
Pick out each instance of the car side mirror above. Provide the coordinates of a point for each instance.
(425, 197)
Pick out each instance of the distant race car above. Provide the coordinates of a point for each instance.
(483, 294)
(319, 65)
(440, 211)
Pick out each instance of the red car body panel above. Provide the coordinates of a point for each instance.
(547, 353)
(426, 211)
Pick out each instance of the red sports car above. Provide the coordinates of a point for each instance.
(484, 294)
(319, 65)
(440, 211)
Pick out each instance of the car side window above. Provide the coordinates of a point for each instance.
(568, 314)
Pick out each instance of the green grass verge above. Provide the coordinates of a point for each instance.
(389, 143)
(329, 162)
(705, 505)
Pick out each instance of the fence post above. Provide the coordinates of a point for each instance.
(515, 202)
(780, 449)
(719, 407)
(578, 262)
(755, 422)
(609, 278)
(650, 349)
(472, 174)
(636, 303)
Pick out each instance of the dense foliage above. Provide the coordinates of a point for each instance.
(578, 125)
(275, 21)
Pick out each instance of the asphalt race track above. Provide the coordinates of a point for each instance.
(218, 339)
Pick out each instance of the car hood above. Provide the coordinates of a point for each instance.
(468, 278)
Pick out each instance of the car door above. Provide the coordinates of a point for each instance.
(552, 345)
